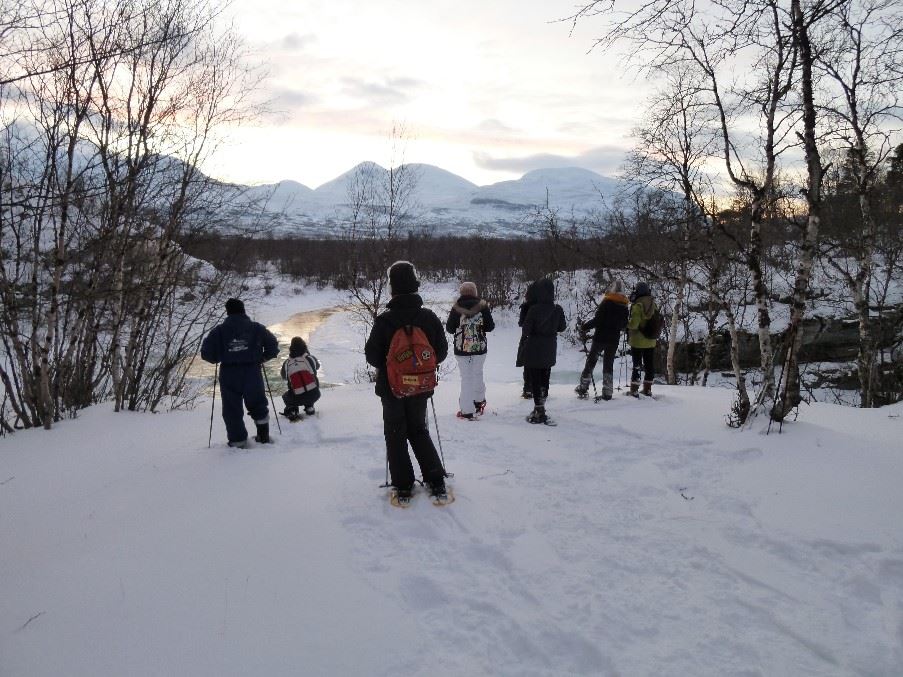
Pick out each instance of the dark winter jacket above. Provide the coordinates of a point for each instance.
(541, 325)
(610, 319)
(468, 306)
(238, 340)
(402, 310)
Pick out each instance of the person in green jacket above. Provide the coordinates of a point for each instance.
(642, 348)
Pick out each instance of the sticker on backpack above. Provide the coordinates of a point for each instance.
(470, 337)
(411, 362)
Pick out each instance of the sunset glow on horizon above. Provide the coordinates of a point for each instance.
(486, 92)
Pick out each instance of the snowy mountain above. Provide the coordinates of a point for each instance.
(441, 200)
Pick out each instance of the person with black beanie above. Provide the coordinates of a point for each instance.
(240, 347)
(404, 418)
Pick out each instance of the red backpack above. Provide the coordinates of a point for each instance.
(411, 362)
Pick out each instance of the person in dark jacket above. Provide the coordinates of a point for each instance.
(240, 347)
(469, 320)
(529, 300)
(609, 321)
(542, 323)
(302, 362)
(642, 348)
(404, 419)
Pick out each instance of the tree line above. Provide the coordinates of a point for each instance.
(698, 262)
(106, 110)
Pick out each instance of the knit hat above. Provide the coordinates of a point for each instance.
(468, 289)
(403, 278)
(616, 286)
(235, 307)
(641, 289)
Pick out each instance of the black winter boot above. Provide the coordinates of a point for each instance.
(538, 415)
(263, 434)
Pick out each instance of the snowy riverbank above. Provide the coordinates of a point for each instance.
(637, 538)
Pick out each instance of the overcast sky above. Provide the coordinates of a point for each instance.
(488, 89)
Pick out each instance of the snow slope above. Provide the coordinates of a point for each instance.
(637, 538)
(445, 202)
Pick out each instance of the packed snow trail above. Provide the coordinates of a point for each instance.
(637, 537)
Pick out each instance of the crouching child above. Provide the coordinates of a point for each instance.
(300, 372)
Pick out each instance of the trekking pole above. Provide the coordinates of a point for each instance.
(384, 486)
(439, 438)
(275, 413)
(212, 404)
(586, 350)
(623, 368)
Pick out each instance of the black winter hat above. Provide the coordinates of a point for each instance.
(403, 278)
(235, 307)
(641, 289)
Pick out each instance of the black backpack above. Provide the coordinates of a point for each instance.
(652, 328)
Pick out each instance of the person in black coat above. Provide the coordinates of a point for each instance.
(529, 300)
(609, 321)
(404, 419)
(240, 347)
(542, 323)
(469, 320)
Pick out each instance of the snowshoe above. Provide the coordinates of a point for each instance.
(480, 407)
(240, 444)
(439, 493)
(401, 498)
(465, 417)
(538, 415)
(292, 414)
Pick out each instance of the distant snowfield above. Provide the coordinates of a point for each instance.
(637, 538)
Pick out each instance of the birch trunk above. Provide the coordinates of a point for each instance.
(790, 396)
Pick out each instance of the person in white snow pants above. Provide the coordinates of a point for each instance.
(470, 319)
(473, 387)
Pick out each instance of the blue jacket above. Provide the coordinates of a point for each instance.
(238, 340)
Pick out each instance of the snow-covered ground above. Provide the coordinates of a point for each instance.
(636, 538)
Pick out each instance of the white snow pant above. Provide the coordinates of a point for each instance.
(473, 388)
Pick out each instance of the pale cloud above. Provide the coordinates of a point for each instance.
(293, 98)
(502, 78)
(494, 126)
(392, 91)
(605, 160)
(296, 41)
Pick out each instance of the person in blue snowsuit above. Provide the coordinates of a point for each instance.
(240, 347)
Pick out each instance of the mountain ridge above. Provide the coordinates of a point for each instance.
(442, 200)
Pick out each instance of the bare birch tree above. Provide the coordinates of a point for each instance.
(861, 49)
(382, 204)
